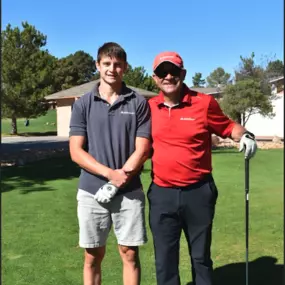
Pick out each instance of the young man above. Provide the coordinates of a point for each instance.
(109, 140)
(183, 193)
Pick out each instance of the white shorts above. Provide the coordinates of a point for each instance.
(126, 212)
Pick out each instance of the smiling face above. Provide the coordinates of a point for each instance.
(169, 78)
(111, 69)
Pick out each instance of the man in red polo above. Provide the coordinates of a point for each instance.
(183, 194)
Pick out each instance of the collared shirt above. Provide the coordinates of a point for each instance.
(110, 131)
(182, 137)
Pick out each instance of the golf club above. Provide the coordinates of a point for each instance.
(246, 216)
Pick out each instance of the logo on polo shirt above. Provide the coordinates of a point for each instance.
(127, 112)
(187, 119)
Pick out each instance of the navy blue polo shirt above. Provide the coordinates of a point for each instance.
(110, 131)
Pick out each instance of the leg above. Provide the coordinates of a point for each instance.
(128, 215)
(166, 229)
(94, 225)
(131, 264)
(92, 265)
(198, 213)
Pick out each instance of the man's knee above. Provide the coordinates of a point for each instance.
(129, 254)
(94, 256)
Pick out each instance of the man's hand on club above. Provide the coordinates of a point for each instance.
(248, 144)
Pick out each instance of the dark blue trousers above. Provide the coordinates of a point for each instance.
(191, 210)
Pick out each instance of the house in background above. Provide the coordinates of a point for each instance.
(65, 99)
(264, 128)
(216, 92)
(267, 128)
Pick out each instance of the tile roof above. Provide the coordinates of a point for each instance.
(80, 90)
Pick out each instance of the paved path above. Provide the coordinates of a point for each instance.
(12, 144)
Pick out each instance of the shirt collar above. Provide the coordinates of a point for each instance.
(186, 97)
(125, 92)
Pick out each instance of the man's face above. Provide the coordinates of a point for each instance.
(169, 78)
(111, 69)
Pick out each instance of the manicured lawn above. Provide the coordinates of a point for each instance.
(44, 125)
(40, 234)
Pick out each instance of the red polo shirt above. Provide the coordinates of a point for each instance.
(182, 137)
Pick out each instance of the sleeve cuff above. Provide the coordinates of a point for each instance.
(77, 133)
(143, 135)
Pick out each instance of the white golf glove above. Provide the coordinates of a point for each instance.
(248, 144)
(106, 193)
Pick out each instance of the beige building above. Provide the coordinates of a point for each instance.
(64, 100)
(268, 128)
(262, 127)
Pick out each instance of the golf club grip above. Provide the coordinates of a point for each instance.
(246, 175)
(246, 215)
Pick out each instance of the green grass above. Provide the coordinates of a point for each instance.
(38, 126)
(40, 233)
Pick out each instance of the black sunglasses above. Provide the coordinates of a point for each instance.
(163, 71)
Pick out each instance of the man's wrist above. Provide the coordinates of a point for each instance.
(128, 170)
(251, 135)
(108, 173)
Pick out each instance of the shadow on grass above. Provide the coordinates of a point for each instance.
(226, 150)
(31, 134)
(38, 134)
(262, 271)
(34, 177)
(146, 169)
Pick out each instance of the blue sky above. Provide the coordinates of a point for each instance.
(206, 33)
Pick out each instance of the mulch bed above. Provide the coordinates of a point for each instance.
(23, 157)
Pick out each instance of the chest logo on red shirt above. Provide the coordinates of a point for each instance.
(187, 119)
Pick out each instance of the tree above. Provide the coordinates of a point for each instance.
(73, 70)
(137, 77)
(26, 73)
(218, 78)
(197, 80)
(249, 69)
(150, 85)
(96, 76)
(251, 94)
(274, 69)
(246, 98)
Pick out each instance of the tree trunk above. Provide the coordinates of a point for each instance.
(239, 118)
(243, 119)
(14, 125)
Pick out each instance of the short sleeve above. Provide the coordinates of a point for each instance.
(78, 120)
(218, 123)
(143, 120)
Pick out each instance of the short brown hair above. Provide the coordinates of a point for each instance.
(111, 49)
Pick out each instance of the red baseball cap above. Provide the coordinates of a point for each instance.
(168, 56)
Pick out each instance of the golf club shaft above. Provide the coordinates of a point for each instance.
(246, 215)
